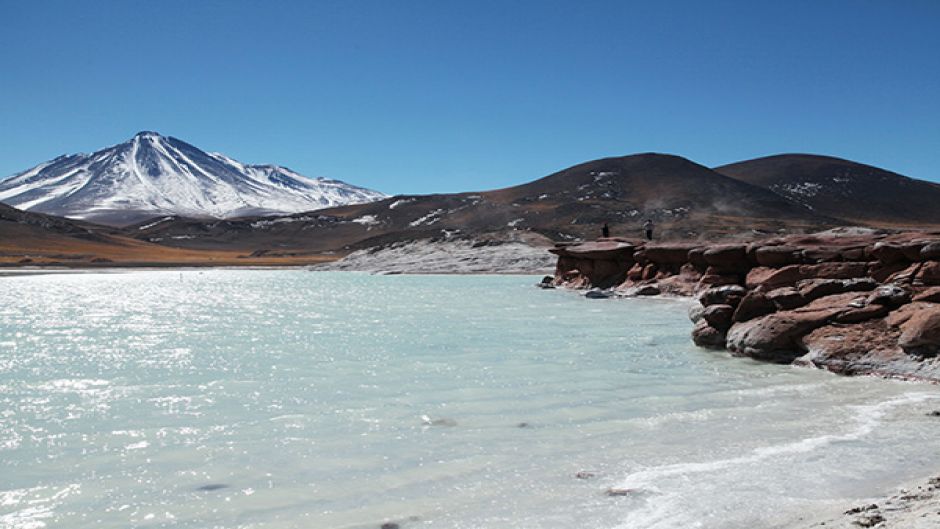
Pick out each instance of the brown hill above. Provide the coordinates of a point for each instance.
(684, 199)
(854, 192)
(38, 239)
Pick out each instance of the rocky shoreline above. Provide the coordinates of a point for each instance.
(855, 302)
(913, 507)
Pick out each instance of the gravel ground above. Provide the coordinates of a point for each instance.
(449, 257)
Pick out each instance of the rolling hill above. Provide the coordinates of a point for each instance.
(769, 196)
(684, 199)
(854, 192)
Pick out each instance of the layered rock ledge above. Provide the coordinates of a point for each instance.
(854, 303)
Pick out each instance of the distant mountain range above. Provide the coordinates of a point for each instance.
(685, 200)
(151, 175)
(793, 193)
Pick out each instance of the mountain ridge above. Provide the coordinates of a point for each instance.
(852, 191)
(152, 175)
(686, 201)
(683, 198)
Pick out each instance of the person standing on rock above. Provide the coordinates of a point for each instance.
(605, 231)
(648, 228)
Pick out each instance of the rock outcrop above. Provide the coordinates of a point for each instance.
(854, 304)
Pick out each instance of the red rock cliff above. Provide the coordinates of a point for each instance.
(853, 304)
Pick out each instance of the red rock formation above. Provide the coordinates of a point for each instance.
(854, 304)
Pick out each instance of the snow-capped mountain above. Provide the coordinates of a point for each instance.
(151, 175)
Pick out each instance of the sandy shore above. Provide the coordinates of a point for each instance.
(913, 506)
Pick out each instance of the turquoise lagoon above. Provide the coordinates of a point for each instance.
(292, 399)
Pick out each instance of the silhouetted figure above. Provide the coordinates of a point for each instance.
(605, 231)
(648, 228)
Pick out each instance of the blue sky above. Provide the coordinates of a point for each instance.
(441, 96)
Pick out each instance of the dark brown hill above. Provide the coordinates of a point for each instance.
(37, 239)
(17, 224)
(857, 193)
(684, 199)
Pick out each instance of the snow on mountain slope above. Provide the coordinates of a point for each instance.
(151, 175)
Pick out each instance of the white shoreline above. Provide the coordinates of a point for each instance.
(914, 505)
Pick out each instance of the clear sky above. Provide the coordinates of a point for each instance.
(441, 96)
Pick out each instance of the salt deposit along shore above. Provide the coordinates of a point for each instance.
(448, 257)
(854, 303)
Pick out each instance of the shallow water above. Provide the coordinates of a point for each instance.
(291, 399)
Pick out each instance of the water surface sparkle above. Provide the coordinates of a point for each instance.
(290, 399)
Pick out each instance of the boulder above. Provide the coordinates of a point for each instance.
(869, 347)
(775, 337)
(751, 251)
(647, 290)
(728, 258)
(812, 289)
(929, 273)
(834, 270)
(843, 300)
(822, 254)
(685, 283)
(649, 272)
(862, 313)
(906, 275)
(712, 279)
(719, 316)
(912, 250)
(778, 256)
(888, 253)
(606, 249)
(723, 295)
(854, 254)
(572, 278)
(667, 254)
(704, 335)
(786, 298)
(789, 275)
(880, 272)
(930, 252)
(890, 295)
(770, 278)
(931, 294)
(696, 312)
(635, 273)
(921, 333)
(900, 316)
(697, 259)
(598, 294)
(754, 305)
